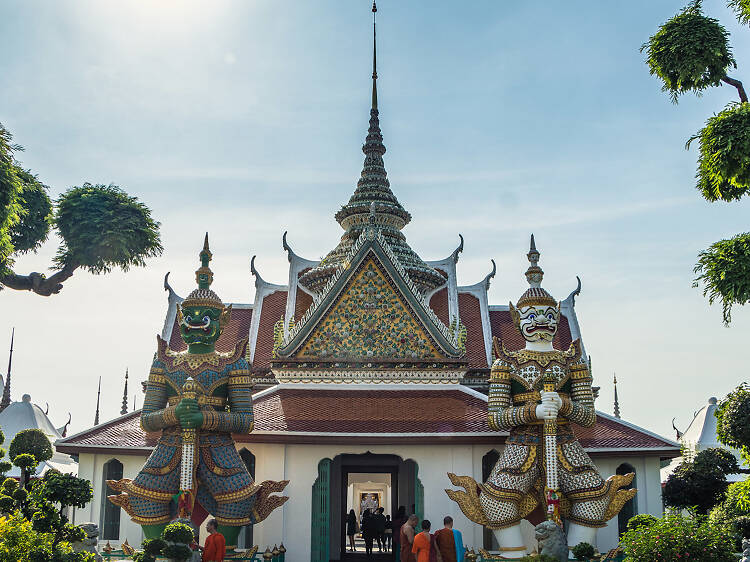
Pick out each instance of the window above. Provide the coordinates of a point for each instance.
(110, 513)
(630, 508)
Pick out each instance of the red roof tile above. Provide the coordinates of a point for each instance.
(237, 329)
(439, 304)
(302, 303)
(339, 412)
(471, 317)
(272, 310)
(504, 330)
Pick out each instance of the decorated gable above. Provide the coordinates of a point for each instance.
(369, 319)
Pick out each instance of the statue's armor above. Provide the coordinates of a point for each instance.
(225, 488)
(516, 483)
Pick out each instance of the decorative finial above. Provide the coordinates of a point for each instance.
(204, 276)
(124, 408)
(617, 401)
(374, 61)
(534, 273)
(98, 395)
(5, 402)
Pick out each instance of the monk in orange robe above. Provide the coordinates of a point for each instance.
(421, 546)
(215, 546)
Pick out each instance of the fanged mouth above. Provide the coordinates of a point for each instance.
(204, 326)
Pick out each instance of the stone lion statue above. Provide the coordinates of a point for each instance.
(88, 544)
(552, 540)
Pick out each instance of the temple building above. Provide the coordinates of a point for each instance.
(16, 416)
(370, 369)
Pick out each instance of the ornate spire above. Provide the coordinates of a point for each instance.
(374, 61)
(535, 295)
(203, 295)
(124, 408)
(5, 402)
(98, 395)
(373, 187)
(617, 402)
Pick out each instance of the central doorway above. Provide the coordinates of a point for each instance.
(343, 484)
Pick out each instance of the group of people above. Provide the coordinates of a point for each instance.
(375, 527)
(445, 545)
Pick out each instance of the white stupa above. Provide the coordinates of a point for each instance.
(701, 435)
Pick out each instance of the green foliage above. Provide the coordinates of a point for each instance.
(103, 227)
(65, 489)
(701, 483)
(741, 526)
(741, 9)
(143, 557)
(737, 500)
(178, 532)
(539, 558)
(10, 188)
(7, 504)
(9, 484)
(733, 418)
(676, 537)
(154, 546)
(689, 53)
(177, 552)
(19, 542)
(25, 461)
(5, 466)
(724, 271)
(33, 442)
(35, 214)
(724, 154)
(583, 551)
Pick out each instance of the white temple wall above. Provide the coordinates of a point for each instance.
(290, 524)
(90, 467)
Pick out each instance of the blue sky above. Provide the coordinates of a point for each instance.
(500, 118)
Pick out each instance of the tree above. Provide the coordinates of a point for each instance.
(733, 420)
(701, 483)
(38, 529)
(101, 226)
(28, 448)
(690, 53)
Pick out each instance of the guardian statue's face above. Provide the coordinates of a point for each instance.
(200, 324)
(538, 323)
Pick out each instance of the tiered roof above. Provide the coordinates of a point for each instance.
(365, 415)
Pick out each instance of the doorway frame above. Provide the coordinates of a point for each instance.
(347, 469)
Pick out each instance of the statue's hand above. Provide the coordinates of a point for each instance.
(554, 397)
(188, 413)
(549, 407)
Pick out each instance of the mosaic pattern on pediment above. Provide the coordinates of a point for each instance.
(369, 320)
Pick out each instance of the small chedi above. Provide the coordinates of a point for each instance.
(536, 394)
(197, 398)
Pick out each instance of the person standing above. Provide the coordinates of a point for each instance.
(422, 543)
(215, 546)
(449, 542)
(379, 519)
(388, 533)
(398, 521)
(368, 531)
(351, 529)
(407, 539)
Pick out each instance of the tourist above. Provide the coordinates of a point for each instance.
(423, 546)
(369, 530)
(407, 539)
(352, 527)
(388, 537)
(380, 528)
(215, 546)
(399, 520)
(450, 542)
